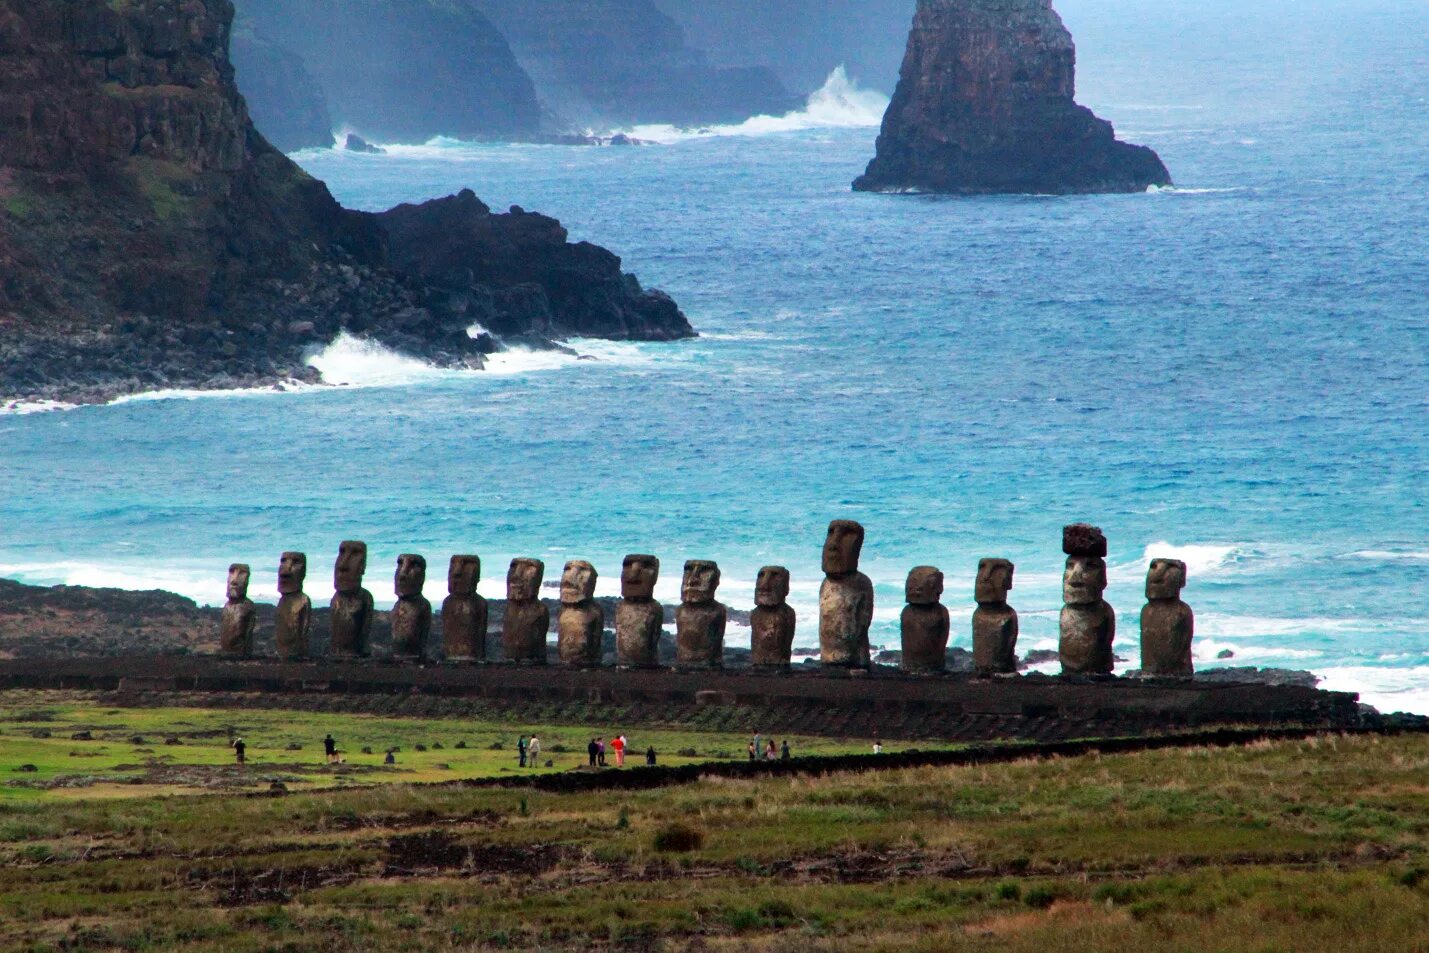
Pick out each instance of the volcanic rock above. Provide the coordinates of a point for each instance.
(985, 104)
(286, 101)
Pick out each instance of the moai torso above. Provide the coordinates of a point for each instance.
(352, 608)
(994, 621)
(527, 619)
(295, 609)
(845, 599)
(1088, 623)
(464, 613)
(925, 623)
(580, 624)
(773, 621)
(235, 630)
(639, 619)
(700, 620)
(412, 614)
(1168, 625)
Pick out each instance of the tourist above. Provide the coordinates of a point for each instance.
(758, 744)
(593, 750)
(600, 751)
(521, 751)
(330, 748)
(650, 756)
(752, 753)
(391, 758)
(533, 750)
(877, 746)
(771, 753)
(784, 751)
(239, 750)
(618, 743)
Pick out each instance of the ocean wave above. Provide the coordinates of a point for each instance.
(1390, 555)
(1211, 624)
(1388, 689)
(1180, 190)
(21, 408)
(839, 104)
(1207, 650)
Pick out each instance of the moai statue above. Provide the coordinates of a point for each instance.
(994, 621)
(700, 620)
(412, 614)
(352, 609)
(772, 621)
(464, 612)
(527, 620)
(581, 622)
(1167, 623)
(235, 631)
(925, 623)
(639, 619)
(1088, 623)
(845, 599)
(295, 609)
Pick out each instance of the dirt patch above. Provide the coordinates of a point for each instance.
(431, 851)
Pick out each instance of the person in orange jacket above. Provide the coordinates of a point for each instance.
(618, 743)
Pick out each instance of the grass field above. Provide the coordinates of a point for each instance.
(1309, 846)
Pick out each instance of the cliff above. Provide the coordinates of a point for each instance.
(406, 70)
(985, 104)
(285, 99)
(151, 237)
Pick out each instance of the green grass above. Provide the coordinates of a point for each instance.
(1307, 846)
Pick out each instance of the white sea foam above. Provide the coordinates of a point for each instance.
(1391, 555)
(1201, 559)
(355, 362)
(1207, 650)
(201, 582)
(1212, 624)
(20, 408)
(839, 103)
(1388, 689)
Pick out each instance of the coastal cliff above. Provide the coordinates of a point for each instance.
(985, 104)
(150, 237)
(286, 100)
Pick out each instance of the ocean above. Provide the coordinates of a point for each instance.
(1234, 372)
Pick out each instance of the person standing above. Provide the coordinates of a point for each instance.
(593, 750)
(618, 743)
(650, 756)
(877, 746)
(330, 748)
(751, 751)
(772, 753)
(784, 751)
(521, 751)
(758, 744)
(600, 751)
(533, 751)
(240, 750)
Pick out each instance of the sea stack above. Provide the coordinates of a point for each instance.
(985, 104)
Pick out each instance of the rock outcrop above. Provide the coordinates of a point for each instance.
(985, 105)
(284, 98)
(151, 237)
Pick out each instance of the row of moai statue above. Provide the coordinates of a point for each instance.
(1088, 623)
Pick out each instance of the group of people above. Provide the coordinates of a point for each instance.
(759, 749)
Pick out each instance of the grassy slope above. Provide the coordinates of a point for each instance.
(1320, 845)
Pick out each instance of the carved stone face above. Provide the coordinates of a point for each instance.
(842, 547)
(1165, 579)
(292, 571)
(772, 588)
(577, 582)
(638, 576)
(701, 582)
(523, 580)
(463, 575)
(925, 586)
(350, 567)
(994, 580)
(238, 575)
(411, 575)
(1084, 581)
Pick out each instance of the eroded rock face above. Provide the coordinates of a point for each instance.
(845, 599)
(581, 621)
(295, 610)
(412, 614)
(700, 621)
(985, 104)
(527, 619)
(240, 615)
(773, 621)
(995, 625)
(464, 612)
(1167, 624)
(925, 623)
(286, 100)
(352, 605)
(638, 618)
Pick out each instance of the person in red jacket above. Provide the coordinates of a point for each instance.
(618, 743)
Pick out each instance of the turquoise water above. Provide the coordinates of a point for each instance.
(1235, 372)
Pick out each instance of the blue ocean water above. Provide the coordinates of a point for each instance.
(1235, 371)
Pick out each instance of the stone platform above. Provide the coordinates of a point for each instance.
(884, 704)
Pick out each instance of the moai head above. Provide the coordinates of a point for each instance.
(238, 575)
(925, 586)
(772, 587)
(701, 582)
(350, 567)
(842, 548)
(463, 575)
(577, 582)
(638, 576)
(411, 575)
(1084, 581)
(1080, 539)
(292, 571)
(994, 581)
(523, 579)
(1165, 579)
